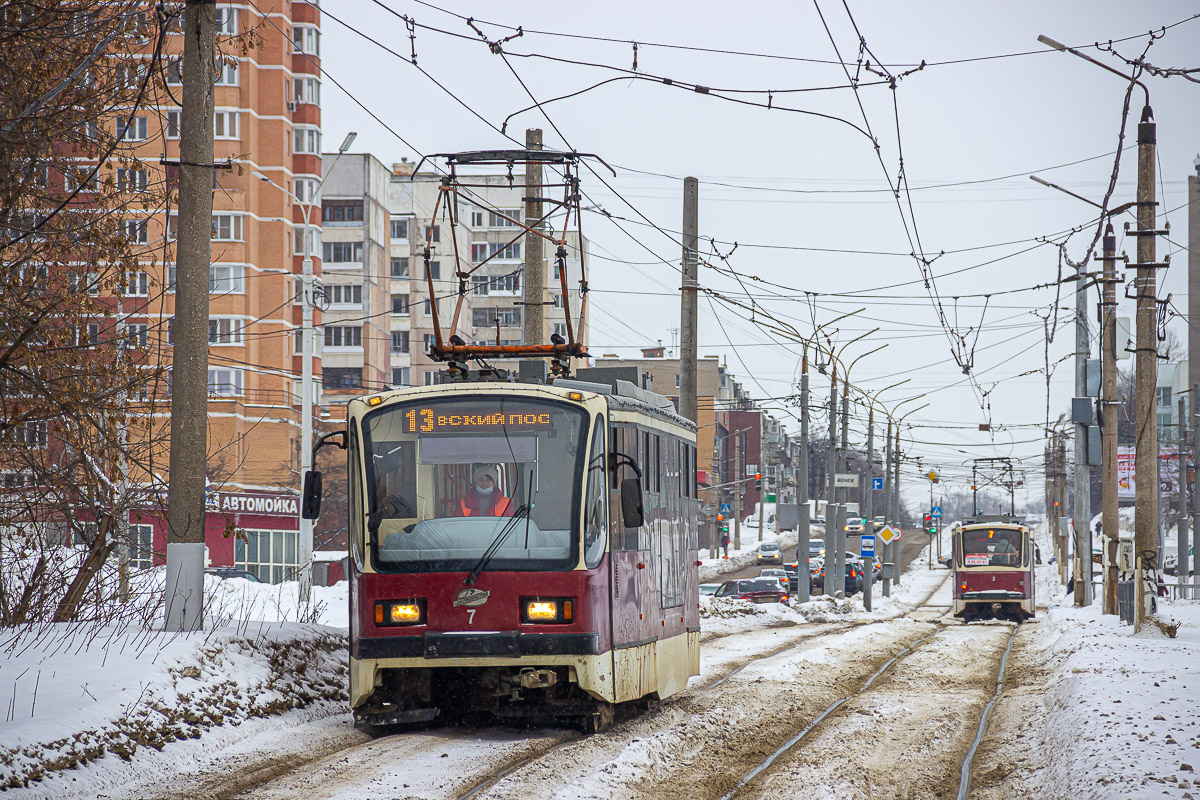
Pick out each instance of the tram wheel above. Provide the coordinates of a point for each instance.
(598, 720)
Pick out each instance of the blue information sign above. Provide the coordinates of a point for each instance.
(866, 546)
(725, 508)
(876, 483)
(936, 511)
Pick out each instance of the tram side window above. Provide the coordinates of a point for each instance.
(355, 521)
(625, 441)
(595, 507)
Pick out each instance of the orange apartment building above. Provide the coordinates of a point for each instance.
(268, 125)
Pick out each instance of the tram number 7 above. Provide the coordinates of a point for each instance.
(471, 616)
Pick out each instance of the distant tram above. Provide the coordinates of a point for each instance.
(523, 551)
(993, 564)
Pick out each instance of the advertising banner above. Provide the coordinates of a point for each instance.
(1168, 472)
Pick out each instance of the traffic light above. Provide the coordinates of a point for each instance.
(722, 525)
(930, 524)
(758, 481)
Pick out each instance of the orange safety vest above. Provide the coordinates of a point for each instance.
(500, 509)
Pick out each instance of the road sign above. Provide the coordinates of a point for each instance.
(936, 511)
(845, 480)
(933, 476)
(726, 508)
(1125, 555)
(866, 546)
(887, 533)
(876, 483)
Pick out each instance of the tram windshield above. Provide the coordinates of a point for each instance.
(482, 482)
(991, 547)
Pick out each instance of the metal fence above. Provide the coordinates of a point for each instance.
(1184, 591)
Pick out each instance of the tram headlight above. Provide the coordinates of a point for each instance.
(547, 610)
(400, 612)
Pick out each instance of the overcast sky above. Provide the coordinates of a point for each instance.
(806, 197)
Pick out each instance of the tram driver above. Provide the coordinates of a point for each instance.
(485, 497)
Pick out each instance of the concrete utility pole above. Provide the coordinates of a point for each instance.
(1181, 563)
(762, 495)
(887, 506)
(843, 514)
(869, 506)
(1062, 504)
(739, 474)
(1193, 351)
(1082, 508)
(895, 546)
(184, 598)
(831, 461)
(1110, 521)
(687, 317)
(1145, 378)
(800, 590)
(532, 313)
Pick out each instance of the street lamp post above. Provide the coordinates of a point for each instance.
(305, 549)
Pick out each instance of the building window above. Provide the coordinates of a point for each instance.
(141, 546)
(227, 227)
(307, 140)
(399, 229)
(399, 341)
(433, 233)
(476, 219)
(400, 267)
(345, 294)
(228, 74)
(343, 336)
(488, 317)
(271, 555)
(86, 179)
(224, 382)
(1164, 395)
(507, 218)
(174, 71)
(480, 284)
(400, 305)
(435, 270)
(136, 231)
(137, 335)
(171, 130)
(137, 284)
(306, 189)
(307, 90)
(223, 278)
(428, 307)
(306, 39)
(224, 330)
(399, 376)
(341, 378)
(343, 252)
(225, 124)
(342, 211)
(308, 241)
(29, 435)
(132, 180)
(430, 378)
(430, 341)
(561, 329)
(226, 21)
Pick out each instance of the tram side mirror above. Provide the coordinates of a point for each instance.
(631, 503)
(310, 507)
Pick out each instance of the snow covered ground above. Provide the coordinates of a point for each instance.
(1090, 710)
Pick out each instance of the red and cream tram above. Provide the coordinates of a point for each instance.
(519, 550)
(993, 569)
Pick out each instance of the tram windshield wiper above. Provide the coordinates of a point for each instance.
(497, 543)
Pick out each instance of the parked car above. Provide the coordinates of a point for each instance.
(756, 590)
(778, 573)
(854, 578)
(232, 572)
(709, 588)
(768, 553)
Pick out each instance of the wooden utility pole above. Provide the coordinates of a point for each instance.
(1110, 522)
(533, 312)
(687, 317)
(1145, 421)
(189, 371)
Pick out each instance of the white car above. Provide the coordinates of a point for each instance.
(768, 553)
(778, 573)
